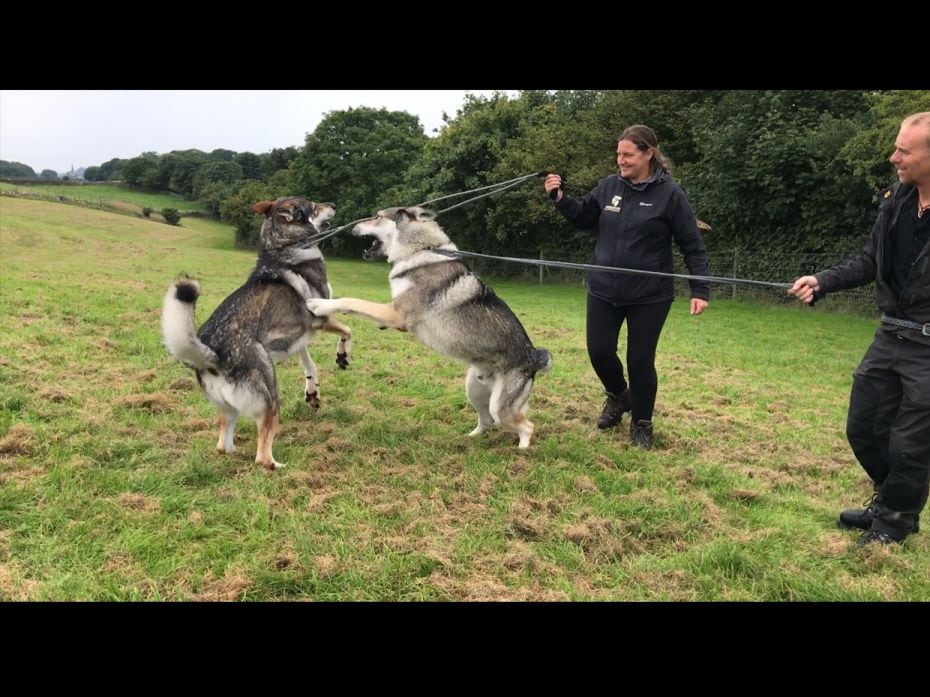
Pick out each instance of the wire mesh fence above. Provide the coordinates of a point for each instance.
(781, 268)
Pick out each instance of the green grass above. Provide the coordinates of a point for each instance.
(108, 194)
(110, 488)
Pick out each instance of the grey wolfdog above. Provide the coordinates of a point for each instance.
(261, 323)
(452, 311)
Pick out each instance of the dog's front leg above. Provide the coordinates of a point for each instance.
(382, 314)
(297, 282)
(344, 345)
(312, 385)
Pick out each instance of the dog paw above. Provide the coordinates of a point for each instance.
(342, 360)
(319, 306)
(313, 399)
(479, 430)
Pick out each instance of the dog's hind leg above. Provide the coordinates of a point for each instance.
(265, 406)
(344, 345)
(478, 391)
(312, 385)
(227, 427)
(510, 402)
(267, 427)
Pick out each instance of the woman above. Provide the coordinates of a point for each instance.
(637, 213)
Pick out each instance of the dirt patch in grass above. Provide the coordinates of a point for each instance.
(183, 385)
(54, 395)
(19, 440)
(325, 565)
(230, 587)
(602, 540)
(138, 502)
(154, 403)
(485, 587)
(21, 477)
(14, 587)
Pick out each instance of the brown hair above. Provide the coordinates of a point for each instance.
(644, 138)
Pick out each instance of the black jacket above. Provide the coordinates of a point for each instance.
(636, 224)
(874, 264)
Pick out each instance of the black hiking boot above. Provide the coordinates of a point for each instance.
(859, 517)
(614, 406)
(641, 434)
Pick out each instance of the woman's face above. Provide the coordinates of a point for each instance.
(633, 163)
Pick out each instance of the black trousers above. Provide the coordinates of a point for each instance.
(644, 325)
(889, 425)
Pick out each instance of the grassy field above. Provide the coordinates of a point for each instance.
(110, 488)
(109, 194)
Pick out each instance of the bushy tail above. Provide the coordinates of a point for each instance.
(177, 326)
(543, 361)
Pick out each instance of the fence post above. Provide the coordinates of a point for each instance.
(735, 268)
(540, 268)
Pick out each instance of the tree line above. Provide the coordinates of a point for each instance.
(772, 171)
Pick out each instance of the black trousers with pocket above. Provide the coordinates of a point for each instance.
(644, 325)
(888, 426)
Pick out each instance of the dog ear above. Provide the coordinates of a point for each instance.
(262, 207)
(427, 214)
(703, 227)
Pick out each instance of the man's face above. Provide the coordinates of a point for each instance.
(911, 156)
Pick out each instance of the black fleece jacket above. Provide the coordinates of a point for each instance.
(636, 224)
(874, 264)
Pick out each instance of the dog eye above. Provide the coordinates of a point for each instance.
(298, 214)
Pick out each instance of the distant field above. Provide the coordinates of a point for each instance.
(110, 488)
(106, 193)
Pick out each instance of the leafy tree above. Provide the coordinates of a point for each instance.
(771, 175)
(48, 174)
(16, 169)
(213, 194)
(214, 171)
(222, 154)
(110, 170)
(160, 177)
(237, 211)
(91, 174)
(137, 171)
(278, 159)
(353, 157)
(187, 164)
(251, 165)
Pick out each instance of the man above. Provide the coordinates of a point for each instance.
(888, 425)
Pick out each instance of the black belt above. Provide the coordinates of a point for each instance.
(916, 326)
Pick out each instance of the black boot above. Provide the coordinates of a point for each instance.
(889, 526)
(862, 517)
(614, 406)
(641, 434)
(859, 517)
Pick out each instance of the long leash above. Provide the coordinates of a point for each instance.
(613, 269)
(489, 189)
(516, 181)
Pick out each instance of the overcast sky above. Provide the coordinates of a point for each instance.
(48, 129)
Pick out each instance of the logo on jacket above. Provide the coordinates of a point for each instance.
(616, 202)
(643, 203)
